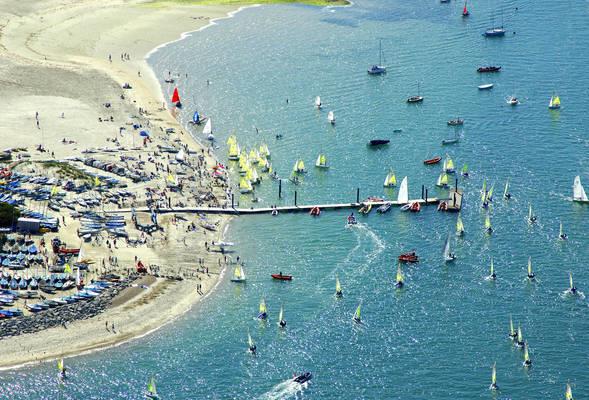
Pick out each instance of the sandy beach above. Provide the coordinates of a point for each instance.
(66, 60)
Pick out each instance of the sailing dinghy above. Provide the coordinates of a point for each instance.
(448, 255)
(208, 130)
(579, 194)
(357, 318)
(554, 103)
(281, 320)
(151, 392)
(403, 197)
(321, 161)
(459, 226)
(238, 274)
(338, 288)
(493, 385)
(399, 279)
(318, 104)
(176, 98)
(331, 117)
(390, 180)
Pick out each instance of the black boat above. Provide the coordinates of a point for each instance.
(378, 142)
(489, 68)
(303, 378)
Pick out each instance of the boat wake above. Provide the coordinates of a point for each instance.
(284, 390)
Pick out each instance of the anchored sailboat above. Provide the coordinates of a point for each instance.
(448, 255)
(378, 69)
(579, 194)
(321, 161)
(459, 226)
(390, 180)
(443, 180)
(415, 99)
(403, 197)
(238, 274)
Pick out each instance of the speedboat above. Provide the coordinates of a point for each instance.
(456, 122)
(489, 68)
(486, 86)
(351, 220)
(305, 377)
(378, 142)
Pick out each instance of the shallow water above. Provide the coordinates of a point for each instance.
(438, 337)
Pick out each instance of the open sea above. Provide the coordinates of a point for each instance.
(439, 336)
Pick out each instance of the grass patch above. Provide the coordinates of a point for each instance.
(321, 3)
(67, 170)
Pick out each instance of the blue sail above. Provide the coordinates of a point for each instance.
(196, 118)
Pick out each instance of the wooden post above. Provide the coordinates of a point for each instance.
(357, 195)
(280, 188)
(425, 196)
(232, 200)
(422, 191)
(295, 198)
(456, 186)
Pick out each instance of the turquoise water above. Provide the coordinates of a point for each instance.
(438, 337)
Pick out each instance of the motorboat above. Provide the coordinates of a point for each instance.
(305, 377)
(281, 277)
(456, 122)
(410, 257)
(512, 101)
(485, 86)
(489, 68)
(378, 142)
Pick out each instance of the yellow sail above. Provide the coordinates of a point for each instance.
(245, 186)
(151, 386)
(399, 274)
(300, 166)
(448, 164)
(96, 181)
(338, 287)
(494, 375)
(490, 194)
(263, 306)
(511, 330)
(60, 365)
(357, 313)
(231, 140)
(253, 156)
(530, 273)
(520, 336)
(571, 279)
(568, 395)
(264, 151)
(237, 273)
(263, 162)
(556, 101)
(392, 181)
(233, 150)
(459, 225)
(249, 174)
(526, 354)
(487, 222)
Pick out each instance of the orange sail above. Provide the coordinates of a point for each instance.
(175, 96)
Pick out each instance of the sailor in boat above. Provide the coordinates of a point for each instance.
(451, 256)
(339, 293)
(252, 349)
(493, 276)
(282, 323)
(563, 236)
(351, 219)
(507, 196)
(531, 276)
(62, 373)
(572, 289)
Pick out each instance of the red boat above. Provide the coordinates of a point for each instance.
(433, 161)
(415, 207)
(410, 257)
(281, 277)
(74, 252)
(315, 212)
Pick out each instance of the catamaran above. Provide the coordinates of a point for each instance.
(281, 320)
(403, 197)
(506, 194)
(338, 288)
(531, 217)
(415, 99)
(379, 68)
(493, 385)
(399, 280)
(321, 161)
(151, 392)
(579, 194)
(208, 130)
(492, 274)
(531, 275)
(263, 312)
(318, 102)
(238, 274)
(331, 117)
(459, 226)
(390, 180)
(554, 102)
(357, 318)
(448, 255)
(449, 165)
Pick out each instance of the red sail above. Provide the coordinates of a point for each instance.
(465, 11)
(175, 96)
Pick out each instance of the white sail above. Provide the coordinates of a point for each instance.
(331, 117)
(447, 256)
(578, 190)
(403, 197)
(181, 155)
(208, 129)
(318, 102)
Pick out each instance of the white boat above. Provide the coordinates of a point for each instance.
(579, 194)
(331, 117)
(448, 255)
(208, 130)
(321, 161)
(486, 86)
(403, 197)
(390, 180)
(180, 156)
(318, 102)
(238, 274)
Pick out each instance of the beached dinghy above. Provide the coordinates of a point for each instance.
(579, 194)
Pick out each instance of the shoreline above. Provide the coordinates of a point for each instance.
(46, 345)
